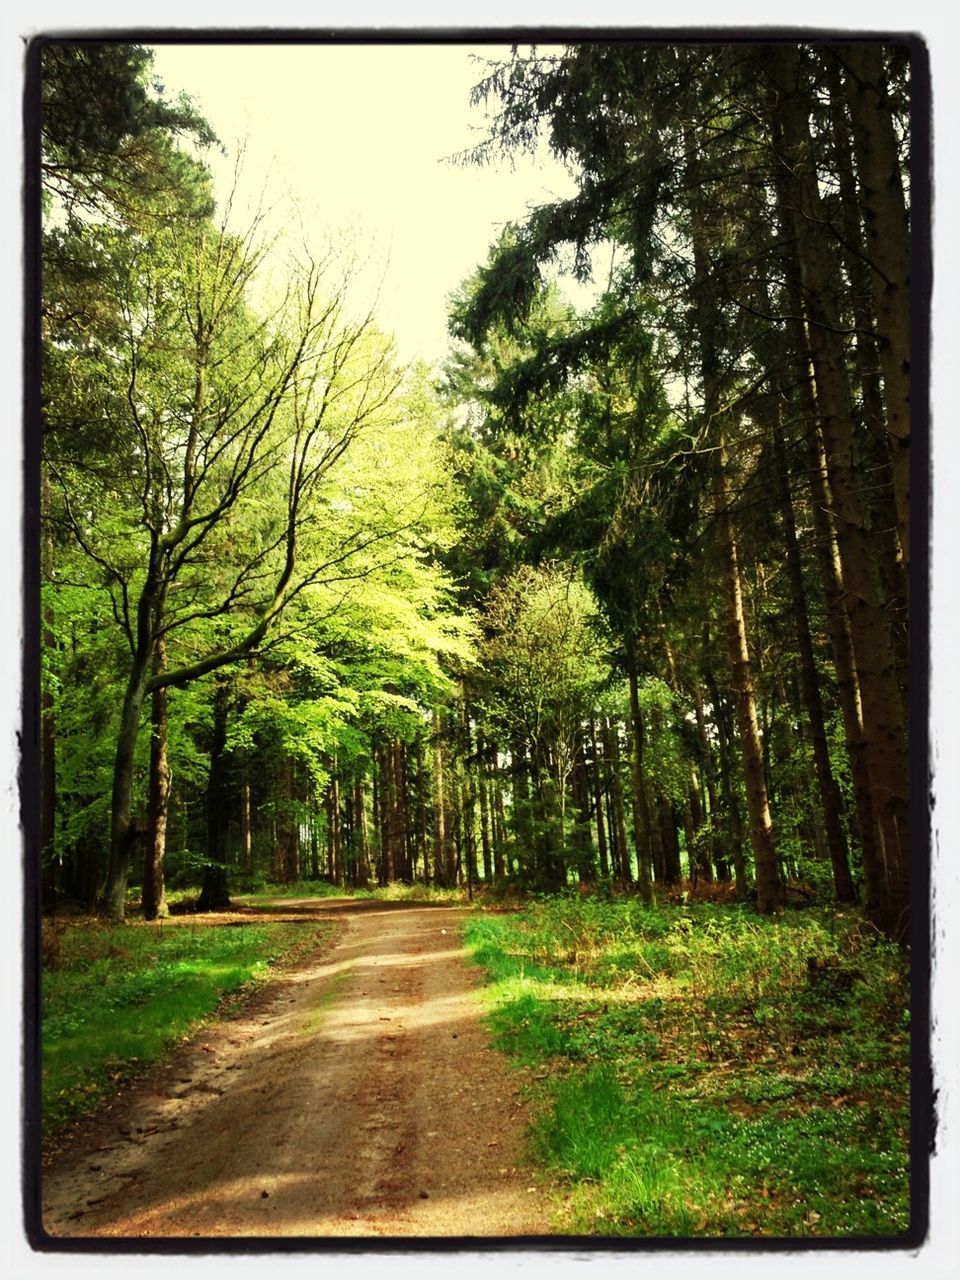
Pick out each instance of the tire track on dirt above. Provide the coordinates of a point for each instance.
(361, 1098)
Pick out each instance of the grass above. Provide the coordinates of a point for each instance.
(269, 894)
(115, 998)
(709, 1072)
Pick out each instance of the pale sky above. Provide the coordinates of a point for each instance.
(356, 137)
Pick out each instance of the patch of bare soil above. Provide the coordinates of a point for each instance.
(358, 1097)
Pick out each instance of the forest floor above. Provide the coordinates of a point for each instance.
(356, 1095)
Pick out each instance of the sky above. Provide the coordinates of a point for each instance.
(356, 140)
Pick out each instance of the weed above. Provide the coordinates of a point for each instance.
(699, 1082)
(119, 996)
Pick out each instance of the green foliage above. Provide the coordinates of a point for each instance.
(709, 1072)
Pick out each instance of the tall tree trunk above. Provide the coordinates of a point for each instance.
(422, 843)
(888, 250)
(598, 801)
(246, 826)
(769, 888)
(671, 841)
(288, 834)
(215, 895)
(879, 496)
(810, 686)
(612, 741)
(641, 822)
(336, 834)
(440, 836)
(360, 832)
(483, 789)
(500, 867)
(469, 796)
(719, 857)
(885, 735)
(123, 833)
(837, 619)
(388, 808)
(154, 901)
(724, 715)
(522, 808)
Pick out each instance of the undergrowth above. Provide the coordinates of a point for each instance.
(116, 997)
(323, 889)
(709, 1072)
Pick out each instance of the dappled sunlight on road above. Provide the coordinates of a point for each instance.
(358, 1097)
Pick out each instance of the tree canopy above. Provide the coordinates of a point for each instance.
(617, 595)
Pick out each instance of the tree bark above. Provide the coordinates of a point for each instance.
(154, 901)
(885, 736)
(887, 233)
(641, 820)
(598, 802)
(810, 686)
(215, 893)
(719, 857)
(769, 888)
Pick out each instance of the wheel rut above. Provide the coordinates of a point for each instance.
(360, 1098)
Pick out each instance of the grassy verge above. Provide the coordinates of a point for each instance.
(271, 894)
(709, 1073)
(116, 998)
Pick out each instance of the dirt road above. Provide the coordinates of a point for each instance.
(360, 1098)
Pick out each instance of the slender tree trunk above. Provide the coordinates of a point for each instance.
(360, 829)
(215, 894)
(439, 805)
(769, 888)
(888, 251)
(522, 811)
(154, 901)
(625, 871)
(837, 620)
(810, 687)
(469, 796)
(288, 835)
(724, 715)
(671, 841)
(877, 460)
(483, 788)
(598, 802)
(388, 809)
(582, 836)
(885, 735)
(500, 867)
(123, 834)
(246, 826)
(641, 822)
(719, 857)
(422, 842)
(336, 834)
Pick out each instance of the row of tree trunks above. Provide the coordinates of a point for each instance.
(880, 683)
(454, 809)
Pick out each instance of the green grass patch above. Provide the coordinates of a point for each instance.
(269, 895)
(709, 1072)
(119, 996)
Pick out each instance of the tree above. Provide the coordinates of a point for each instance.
(541, 679)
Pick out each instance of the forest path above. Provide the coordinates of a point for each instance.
(359, 1097)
